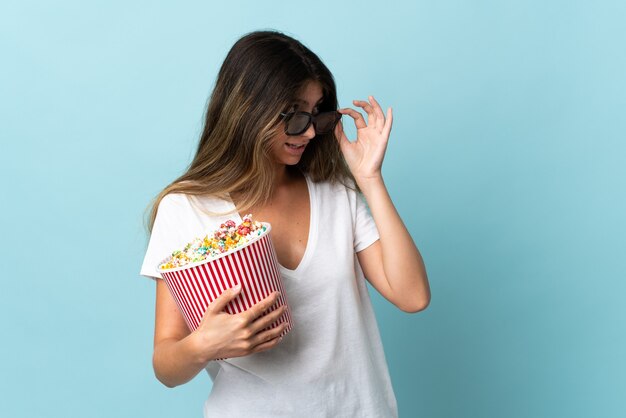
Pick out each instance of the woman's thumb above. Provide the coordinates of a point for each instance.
(222, 300)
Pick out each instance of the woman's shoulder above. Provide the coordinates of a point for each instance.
(173, 199)
(174, 202)
(183, 202)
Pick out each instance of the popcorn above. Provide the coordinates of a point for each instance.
(228, 237)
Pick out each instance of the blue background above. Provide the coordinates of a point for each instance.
(506, 162)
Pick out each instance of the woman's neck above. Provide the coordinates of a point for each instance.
(285, 176)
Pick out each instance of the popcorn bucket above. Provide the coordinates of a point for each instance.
(253, 265)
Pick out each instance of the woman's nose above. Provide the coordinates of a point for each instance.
(310, 132)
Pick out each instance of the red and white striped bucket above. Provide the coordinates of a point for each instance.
(254, 266)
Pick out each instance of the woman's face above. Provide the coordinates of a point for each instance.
(288, 149)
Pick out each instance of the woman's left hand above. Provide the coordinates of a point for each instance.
(365, 155)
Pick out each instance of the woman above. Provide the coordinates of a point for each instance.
(273, 146)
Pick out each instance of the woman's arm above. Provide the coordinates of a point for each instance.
(393, 264)
(180, 355)
(176, 360)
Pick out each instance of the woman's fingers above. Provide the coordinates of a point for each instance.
(388, 123)
(375, 116)
(359, 122)
(340, 134)
(371, 114)
(257, 310)
(380, 116)
(267, 345)
(242, 333)
(267, 336)
(222, 300)
(267, 320)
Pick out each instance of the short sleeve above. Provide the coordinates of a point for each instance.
(165, 236)
(365, 230)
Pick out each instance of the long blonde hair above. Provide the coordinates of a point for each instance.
(260, 78)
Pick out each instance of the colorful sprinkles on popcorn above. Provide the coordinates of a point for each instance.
(228, 237)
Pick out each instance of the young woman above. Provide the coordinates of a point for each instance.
(273, 145)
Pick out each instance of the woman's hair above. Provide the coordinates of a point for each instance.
(260, 78)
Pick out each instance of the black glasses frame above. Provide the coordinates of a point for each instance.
(312, 118)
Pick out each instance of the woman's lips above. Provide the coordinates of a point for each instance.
(295, 149)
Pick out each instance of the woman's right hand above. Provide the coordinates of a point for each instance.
(222, 335)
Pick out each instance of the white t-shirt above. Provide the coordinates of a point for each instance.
(331, 364)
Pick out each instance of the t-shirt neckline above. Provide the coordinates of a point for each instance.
(311, 239)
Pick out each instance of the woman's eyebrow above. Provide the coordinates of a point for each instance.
(306, 103)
